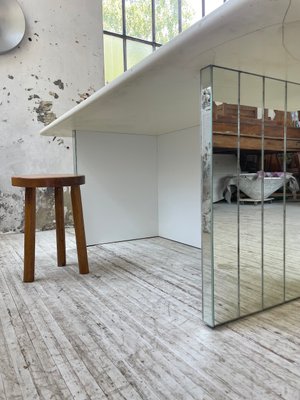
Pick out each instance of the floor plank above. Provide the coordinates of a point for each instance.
(132, 329)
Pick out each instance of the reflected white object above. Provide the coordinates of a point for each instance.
(251, 185)
(224, 166)
(12, 25)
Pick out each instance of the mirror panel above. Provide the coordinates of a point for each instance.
(206, 204)
(274, 194)
(292, 225)
(225, 211)
(249, 193)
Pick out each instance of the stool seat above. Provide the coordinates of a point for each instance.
(57, 181)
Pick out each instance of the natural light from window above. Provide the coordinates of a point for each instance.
(133, 29)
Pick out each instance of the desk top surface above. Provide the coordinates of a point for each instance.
(161, 94)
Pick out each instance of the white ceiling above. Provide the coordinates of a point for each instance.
(161, 94)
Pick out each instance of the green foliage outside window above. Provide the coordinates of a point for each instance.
(113, 57)
(139, 19)
(112, 16)
(138, 24)
(166, 20)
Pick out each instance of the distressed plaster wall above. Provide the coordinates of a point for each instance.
(57, 65)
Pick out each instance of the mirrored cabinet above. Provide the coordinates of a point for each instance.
(250, 193)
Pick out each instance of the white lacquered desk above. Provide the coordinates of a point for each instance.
(138, 139)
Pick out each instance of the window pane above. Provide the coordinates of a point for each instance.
(139, 19)
(166, 20)
(112, 15)
(211, 5)
(113, 57)
(136, 52)
(191, 12)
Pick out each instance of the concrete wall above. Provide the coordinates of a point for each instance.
(58, 64)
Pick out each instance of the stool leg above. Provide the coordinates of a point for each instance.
(29, 234)
(79, 230)
(60, 226)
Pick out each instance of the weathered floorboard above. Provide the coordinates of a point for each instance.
(132, 329)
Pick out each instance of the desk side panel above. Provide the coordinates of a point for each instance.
(120, 194)
(179, 184)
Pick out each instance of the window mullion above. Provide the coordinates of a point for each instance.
(153, 23)
(179, 16)
(125, 38)
(124, 35)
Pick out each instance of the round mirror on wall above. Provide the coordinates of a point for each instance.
(12, 25)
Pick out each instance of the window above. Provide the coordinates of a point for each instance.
(133, 29)
(211, 5)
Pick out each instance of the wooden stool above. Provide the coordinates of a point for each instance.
(30, 183)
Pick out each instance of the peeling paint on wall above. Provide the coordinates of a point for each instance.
(12, 210)
(33, 96)
(55, 95)
(41, 79)
(59, 141)
(44, 113)
(11, 213)
(45, 211)
(83, 96)
(59, 83)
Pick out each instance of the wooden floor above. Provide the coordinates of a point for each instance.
(132, 329)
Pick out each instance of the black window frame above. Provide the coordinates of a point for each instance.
(152, 42)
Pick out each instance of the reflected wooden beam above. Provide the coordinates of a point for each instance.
(229, 140)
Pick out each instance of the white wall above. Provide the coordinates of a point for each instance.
(58, 63)
(120, 194)
(179, 186)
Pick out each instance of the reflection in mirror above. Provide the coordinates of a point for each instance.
(274, 194)
(292, 227)
(249, 193)
(225, 215)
